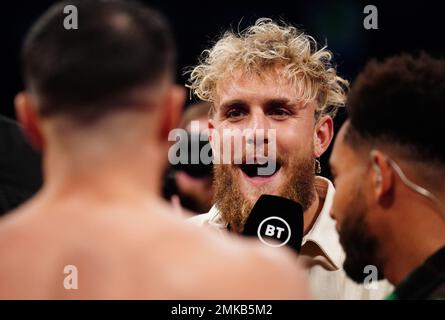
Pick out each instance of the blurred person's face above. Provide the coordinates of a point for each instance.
(250, 102)
(196, 193)
(352, 209)
(201, 122)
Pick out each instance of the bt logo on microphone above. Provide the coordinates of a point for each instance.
(274, 232)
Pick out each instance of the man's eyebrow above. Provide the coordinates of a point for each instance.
(281, 101)
(285, 102)
(230, 103)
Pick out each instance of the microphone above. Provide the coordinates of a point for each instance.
(276, 221)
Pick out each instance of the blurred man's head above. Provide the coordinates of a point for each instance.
(269, 77)
(396, 112)
(197, 113)
(194, 186)
(109, 80)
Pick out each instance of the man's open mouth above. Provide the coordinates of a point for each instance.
(260, 170)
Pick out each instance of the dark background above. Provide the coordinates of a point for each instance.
(403, 27)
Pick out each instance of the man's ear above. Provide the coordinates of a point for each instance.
(323, 134)
(382, 178)
(214, 140)
(28, 117)
(171, 113)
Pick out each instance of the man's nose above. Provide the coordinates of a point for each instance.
(259, 126)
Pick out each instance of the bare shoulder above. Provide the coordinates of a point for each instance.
(14, 228)
(282, 274)
(237, 268)
(126, 254)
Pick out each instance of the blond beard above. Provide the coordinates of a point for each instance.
(235, 209)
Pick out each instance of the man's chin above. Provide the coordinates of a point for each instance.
(359, 245)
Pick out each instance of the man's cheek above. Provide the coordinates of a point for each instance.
(216, 143)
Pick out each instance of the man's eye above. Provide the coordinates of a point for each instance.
(235, 113)
(279, 113)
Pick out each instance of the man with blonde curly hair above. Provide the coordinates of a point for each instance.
(273, 77)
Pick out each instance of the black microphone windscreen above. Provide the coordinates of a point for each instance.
(276, 221)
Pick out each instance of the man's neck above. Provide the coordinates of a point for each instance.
(120, 174)
(397, 271)
(311, 214)
(412, 241)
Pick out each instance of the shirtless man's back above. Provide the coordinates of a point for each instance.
(132, 252)
(100, 103)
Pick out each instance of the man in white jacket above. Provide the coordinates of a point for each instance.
(272, 82)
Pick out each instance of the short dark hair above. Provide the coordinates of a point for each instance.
(118, 46)
(400, 102)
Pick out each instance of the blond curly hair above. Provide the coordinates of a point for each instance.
(267, 45)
